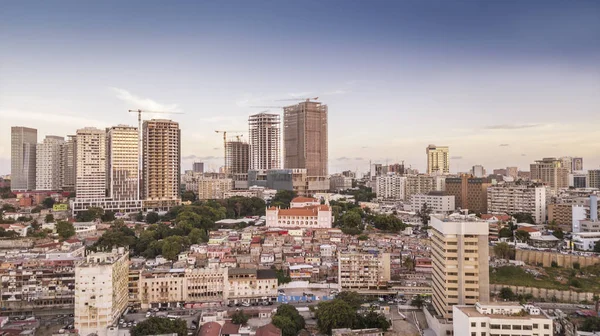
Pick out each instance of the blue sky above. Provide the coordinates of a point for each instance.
(501, 82)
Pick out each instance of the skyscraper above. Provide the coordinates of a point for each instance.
(305, 137)
(161, 163)
(469, 192)
(49, 163)
(438, 160)
(237, 159)
(550, 171)
(22, 158)
(198, 167)
(90, 178)
(123, 162)
(68, 170)
(577, 164)
(265, 138)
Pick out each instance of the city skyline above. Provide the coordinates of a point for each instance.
(501, 86)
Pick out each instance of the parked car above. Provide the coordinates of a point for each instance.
(245, 304)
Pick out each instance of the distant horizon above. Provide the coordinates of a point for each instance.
(501, 84)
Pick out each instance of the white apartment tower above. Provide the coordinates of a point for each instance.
(49, 163)
(438, 160)
(101, 291)
(23, 141)
(90, 178)
(68, 170)
(460, 253)
(391, 187)
(512, 199)
(123, 162)
(265, 140)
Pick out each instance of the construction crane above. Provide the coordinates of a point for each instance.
(225, 146)
(299, 99)
(139, 112)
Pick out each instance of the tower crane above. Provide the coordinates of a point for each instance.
(139, 112)
(299, 99)
(225, 146)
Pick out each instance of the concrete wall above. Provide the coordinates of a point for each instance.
(546, 258)
(16, 243)
(547, 294)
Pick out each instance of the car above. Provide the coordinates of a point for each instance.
(245, 304)
(193, 327)
(270, 303)
(121, 321)
(130, 324)
(148, 314)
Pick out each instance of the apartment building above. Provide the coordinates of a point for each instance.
(237, 157)
(23, 141)
(49, 163)
(593, 178)
(552, 172)
(438, 202)
(304, 212)
(90, 176)
(250, 285)
(438, 160)
(305, 138)
(469, 192)
(362, 270)
(460, 262)
(338, 182)
(123, 162)
(68, 169)
(578, 180)
(390, 187)
(213, 188)
(101, 291)
(419, 184)
(161, 163)
(478, 171)
(501, 318)
(198, 167)
(512, 172)
(512, 198)
(265, 139)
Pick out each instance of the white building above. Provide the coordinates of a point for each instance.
(340, 182)
(23, 141)
(361, 270)
(391, 187)
(501, 319)
(48, 163)
(478, 171)
(586, 241)
(90, 180)
(101, 291)
(213, 188)
(123, 162)
(265, 141)
(440, 204)
(303, 212)
(439, 183)
(512, 199)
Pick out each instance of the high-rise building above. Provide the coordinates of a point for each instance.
(305, 137)
(68, 170)
(101, 291)
(391, 187)
(91, 163)
(438, 160)
(161, 163)
(265, 139)
(511, 199)
(567, 162)
(552, 172)
(460, 252)
(501, 171)
(22, 157)
(478, 171)
(512, 172)
(593, 178)
(419, 184)
(237, 157)
(469, 192)
(49, 163)
(213, 188)
(577, 164)
(578, 180)
(362, 270)
(123, 162)
(198, 167)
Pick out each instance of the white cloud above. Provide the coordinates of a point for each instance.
(336, 92)
(137, 102)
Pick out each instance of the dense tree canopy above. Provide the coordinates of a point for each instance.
(524, 218)
(239, 317)
(288, 319)
(386, 222)
(503, 250)
(48, 202)
(362, 194)
(90, 214)
(334, 314)
(65, 230)
(350, 297)
(152, 217)
(283, 198)
(160, 326)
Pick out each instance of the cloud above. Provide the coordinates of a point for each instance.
(201, 158)
(299, 94)
(336, 92)
(358, 158)
(49, 118)
(216, 148)
(137, 102)
(511, 127)
(456, 158)
(523, 154)
(364, 147)
(504, 145)
(343, 158)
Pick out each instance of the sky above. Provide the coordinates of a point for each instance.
(502, 83)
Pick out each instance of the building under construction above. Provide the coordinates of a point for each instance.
(265, 138)
(237, 157)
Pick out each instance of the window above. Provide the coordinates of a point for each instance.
(546, 326)
(483, 324)
(473, 333)
(473, 324)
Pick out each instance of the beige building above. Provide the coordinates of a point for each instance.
(460, 252)
(438, 160)
(23, 141)
(214, 188)
(237, 157)
(552, 172)
(101, 291)
(265, 139)
(251, 285)
(359, 270)
(161, 163)
(593, 178)
(511, 199)
(123, 162)
(91, 163)
(49, 163)
(469, 192)
(419, 184)
(305, 137)
(68, 171)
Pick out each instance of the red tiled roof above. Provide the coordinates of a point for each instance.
(528, 229)
(210, 329)
(268, 330)
(301, 199)
(229, 328)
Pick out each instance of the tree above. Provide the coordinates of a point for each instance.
(371, 319)
(590, 324)
(195, 236)
(424, 213)
(350, 297)
(8, 234)
(418, 301)
(65, 230)
(334, 314)
(287, 326)
(524, 218)
(49, 218)
(502, 250)
(139, 217)
(108, 216)
(597, 247)
(92, 213)
(152, 217)
(409, 263)
(118, 236)
(48, 202)
(282, 277)
(522, 235)
(160, 325)
(283, 198)
(505, 233)
(506, 293)
(558, 233)
(239, 317)
(188, 195)
(173, 245)
(288, 319)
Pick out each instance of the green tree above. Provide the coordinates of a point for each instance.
(173, 245)
(195, 236)
(49, 218)
(502, 250)
(350, 297)
(282, 276)
(334, 314)
(505, 233)
(524, 218)
(424, 214)
(159, 326)
(409, 263)
(8, 234)
(285, 314)
(152, 217)
(188, 195)
(287, 326)
(283, 198)
(363, 237)
(118, 235)
(65, 230)
(558, 233)
(506, 293)
(597, 247)
(139, 217)
(371, 319)
(522, 235)
(590, 324)
(239, 317)
(108, 216)
(417, 301)
(48, 202)
(90, 214)
(8, 208)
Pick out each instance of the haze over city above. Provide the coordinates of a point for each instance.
(500, 83)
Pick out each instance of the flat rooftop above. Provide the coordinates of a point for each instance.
(470, 311)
